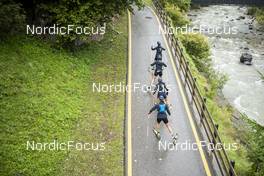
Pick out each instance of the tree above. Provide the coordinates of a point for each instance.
(12, 18)
(182, 4)
(255, 148)
(79, 13)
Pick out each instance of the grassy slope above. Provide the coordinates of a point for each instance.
(105, 110)
(44, 93)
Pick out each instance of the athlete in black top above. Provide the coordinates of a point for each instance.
(158, 67)
(159, 50)
(161, 88)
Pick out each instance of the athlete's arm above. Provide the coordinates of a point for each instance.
(153, 109)
(165, 87)
(153, 48)
(168, 110)
(155, 89)
(154, 63)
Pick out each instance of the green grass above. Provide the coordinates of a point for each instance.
(105, 110)
(257, 12)
(46, 95)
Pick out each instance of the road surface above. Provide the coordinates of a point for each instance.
(149, 158)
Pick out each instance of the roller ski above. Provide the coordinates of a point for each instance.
(175, 139)
(157, 134)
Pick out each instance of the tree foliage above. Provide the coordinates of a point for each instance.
(258, 12)
(81, 13)
(198, 48)
(254, 137)
(85, 13)
(182, 4)
(12, 18)
(177, 17)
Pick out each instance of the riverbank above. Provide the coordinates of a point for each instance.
(237, 96)
(226, 50)
(232, 129)
(46, 97)
(258, 13)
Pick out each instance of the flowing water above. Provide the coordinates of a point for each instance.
(239, 34)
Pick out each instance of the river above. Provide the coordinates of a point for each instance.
(244, 89)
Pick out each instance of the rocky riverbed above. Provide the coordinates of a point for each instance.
(231, 32)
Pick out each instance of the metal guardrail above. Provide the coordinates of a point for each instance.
(226, 166)
(238, 2)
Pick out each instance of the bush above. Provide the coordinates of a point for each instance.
(254, 138)
(12, 18)
(198, 48)
(258, 13)
(92, 14)
(182, 4)
(177, 16)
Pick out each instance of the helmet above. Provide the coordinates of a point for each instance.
(158, 43)
(161, 98)
(159, 80)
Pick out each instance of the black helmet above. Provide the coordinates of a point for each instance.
(158, 43)
(161, 98)
(159, 79)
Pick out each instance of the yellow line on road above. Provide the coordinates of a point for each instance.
(129, 137)
(189, 114)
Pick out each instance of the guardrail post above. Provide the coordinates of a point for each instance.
(181, 50)
(194, 87)
(186, 73)
(180, 57)
(215, 132)
(166, 20)
(204, 101)
(232, 162)
(203, 109)
(163, 17)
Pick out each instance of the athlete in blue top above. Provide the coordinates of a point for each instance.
(163, 110)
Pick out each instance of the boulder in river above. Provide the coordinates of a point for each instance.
(241, 18)
(246, 58)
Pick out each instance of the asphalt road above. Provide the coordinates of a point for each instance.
(149, 158)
